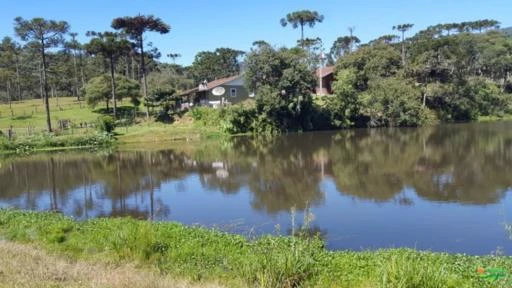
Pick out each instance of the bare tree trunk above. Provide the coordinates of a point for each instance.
(8, 90)
(18, 82)
(41, 82)
(113, 83)
(403, 48)
(302, 35)
(143, 72)
(45, 89)
(132, 66)
(75, 78)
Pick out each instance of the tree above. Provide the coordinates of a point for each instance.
(10, 51)
(44, 34)
(345, 104)
(283, 86)
(136, 27)
(300, 19)
(221, 63)
(75, 46)
(343, 46)
(111, 47)
(99, 89)
(174, 56)
(403, 28)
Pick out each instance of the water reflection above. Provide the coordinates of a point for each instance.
(466, 164)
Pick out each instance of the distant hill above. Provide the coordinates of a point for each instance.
(507, 30)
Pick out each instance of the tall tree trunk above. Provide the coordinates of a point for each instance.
(41, 93)
(18, 82)
(113, 83)
(132, 66)
(143, 72)
(8, 90)
(75, 80)
(45, 89)
(82, 77)
(403, 48)
(302, 35)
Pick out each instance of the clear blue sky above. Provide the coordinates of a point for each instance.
(200, 25)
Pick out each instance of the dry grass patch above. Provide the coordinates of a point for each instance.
(27, 266)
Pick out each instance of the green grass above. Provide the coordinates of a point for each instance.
(29, 119)
(494, 118)
(202, 254)
(31, 113)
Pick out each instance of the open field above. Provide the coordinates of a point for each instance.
(29, 118)
(30, 114)
(210, 256)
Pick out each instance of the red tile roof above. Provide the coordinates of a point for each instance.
(324, 71)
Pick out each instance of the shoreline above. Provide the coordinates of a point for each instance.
(200, 254)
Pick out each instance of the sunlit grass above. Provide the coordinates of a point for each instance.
(200, 254)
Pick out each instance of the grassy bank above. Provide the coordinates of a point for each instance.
(29, 266)
(50, 142)
(199, 254)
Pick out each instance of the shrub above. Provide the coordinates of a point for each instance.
(238, 119)
(106, 124)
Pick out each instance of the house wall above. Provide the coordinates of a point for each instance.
(241, 94)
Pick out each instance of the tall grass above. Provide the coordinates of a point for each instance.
(48, 141)
(201, 254)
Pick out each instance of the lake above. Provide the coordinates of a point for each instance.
(443, 188)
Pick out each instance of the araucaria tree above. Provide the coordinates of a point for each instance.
(111, 47)
(136, 27)
(403, 28)
(300, 19)
(42, 34)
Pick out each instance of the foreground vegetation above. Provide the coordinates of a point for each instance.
(29, 266)
(201, 254)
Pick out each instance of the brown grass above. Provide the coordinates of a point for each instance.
(27, 266)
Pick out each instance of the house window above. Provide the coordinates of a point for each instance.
(233, 92)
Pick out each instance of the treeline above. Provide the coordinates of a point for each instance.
(49, 61)
(445, 73)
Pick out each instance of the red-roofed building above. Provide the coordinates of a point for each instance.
(225, 91)
(325, 76)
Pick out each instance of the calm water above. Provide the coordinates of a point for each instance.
(444, 188)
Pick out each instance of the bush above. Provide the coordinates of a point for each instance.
(393, 102)
(106, 124)
(206, 115)
(238, 119)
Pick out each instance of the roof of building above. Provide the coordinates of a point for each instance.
(210, 85)
(324, 71)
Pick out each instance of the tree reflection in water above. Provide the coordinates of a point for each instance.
(467, 164)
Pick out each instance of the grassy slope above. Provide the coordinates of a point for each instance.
(30, 113)
(199, 254)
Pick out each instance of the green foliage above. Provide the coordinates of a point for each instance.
(99, 89)
(106, 124)
(283, 85)
(239, 119)
(210, 255)
(221, 63)
(392, 102)
(345, 105)
(23, 145)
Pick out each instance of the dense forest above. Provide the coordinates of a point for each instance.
(445, 73)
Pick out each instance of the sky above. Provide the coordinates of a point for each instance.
(204, 25)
